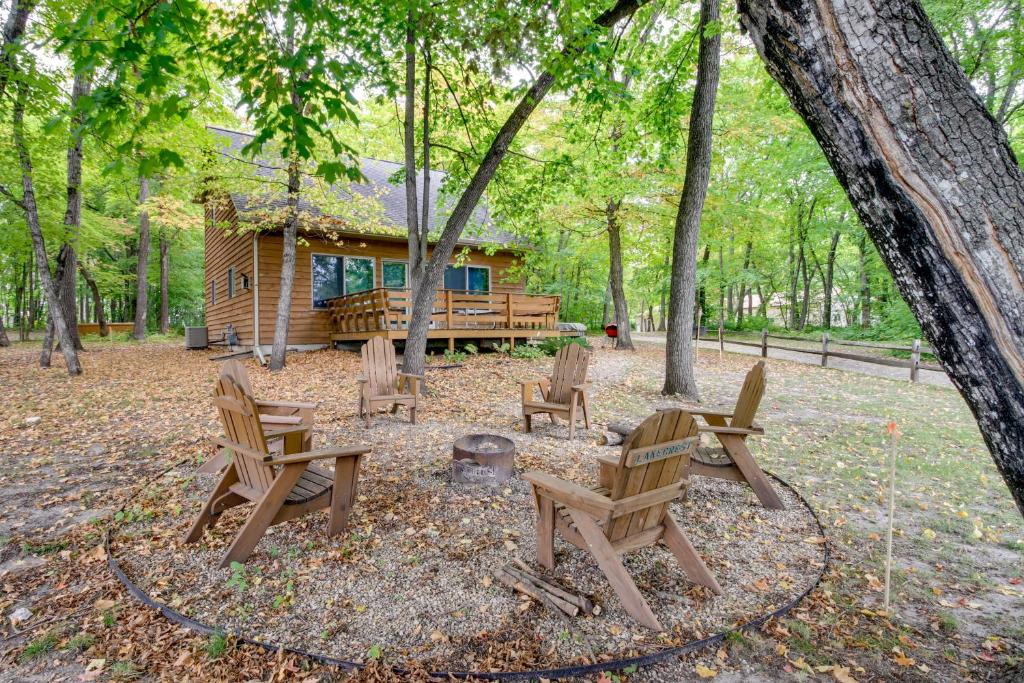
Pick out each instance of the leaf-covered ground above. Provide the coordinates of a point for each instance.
(73, 449)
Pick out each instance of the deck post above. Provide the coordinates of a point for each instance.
(448, 308)
(915, 359)
(508, 309)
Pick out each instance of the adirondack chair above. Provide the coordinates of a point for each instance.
(381, 384)
(279, 416)
(564, 393)
(732, 460)
(283, 487)
(628, 510)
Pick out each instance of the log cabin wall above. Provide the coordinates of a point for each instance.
(312, 326)
(225, 252)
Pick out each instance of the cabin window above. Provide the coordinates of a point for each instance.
(338, 275)
(231, 282)
(213, 292)
(468, 278)
(395, 274)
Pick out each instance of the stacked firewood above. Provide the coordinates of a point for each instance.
(518, 576)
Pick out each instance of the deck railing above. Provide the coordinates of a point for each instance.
(390, 309)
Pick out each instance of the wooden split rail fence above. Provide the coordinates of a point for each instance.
(914, 363)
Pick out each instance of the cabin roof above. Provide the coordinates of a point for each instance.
(480, 230)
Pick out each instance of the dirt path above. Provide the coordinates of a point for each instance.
(932, 377)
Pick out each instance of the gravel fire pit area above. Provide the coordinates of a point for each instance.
(411, 578)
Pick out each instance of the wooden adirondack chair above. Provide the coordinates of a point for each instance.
(283, 487)
(281, 417)
(733, 460)
(628, 510)
(564, 393)
(381, 384)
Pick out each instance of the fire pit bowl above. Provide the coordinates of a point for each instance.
(482, 459)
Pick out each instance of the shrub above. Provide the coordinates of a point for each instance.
(552, 345)
(472, 350)
(528, 352)
(454, 357)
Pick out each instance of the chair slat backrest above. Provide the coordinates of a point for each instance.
(379, 366)
(241, 423)
(655, 454)
(571, 363)
(750, 397)
(237, 372)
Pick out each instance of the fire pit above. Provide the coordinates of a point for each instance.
(482, 459)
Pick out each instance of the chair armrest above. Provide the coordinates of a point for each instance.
(268, 419)
(408, 375)
(320, 454)
(285, 431)
(738, 431)
(640, 501)
(712, 413)
(581, 387)
(411, 381)
(568, 493)
(527, 386)
(613, 461)
(287, 404)
(362, 380)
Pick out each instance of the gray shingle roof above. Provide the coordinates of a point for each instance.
(378, 184)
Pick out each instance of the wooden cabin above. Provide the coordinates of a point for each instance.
(351, 284)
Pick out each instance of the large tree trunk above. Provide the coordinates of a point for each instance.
(165, 274)
(142, 269)
(14, 29)
(932, 177)
(412, 207)
(97, 302)
(615, 277)
(679, 377)
(28, 205)
(416, 343)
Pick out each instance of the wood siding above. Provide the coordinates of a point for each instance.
(310, 326)
(307, 326)
(224, 251)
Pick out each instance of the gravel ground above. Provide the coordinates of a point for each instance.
(412, 578)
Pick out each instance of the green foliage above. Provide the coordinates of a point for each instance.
(216, 645)
(471, 349)
(454, 357)
(552, 345)
(528, 352)
(80, 642)
(238, 580)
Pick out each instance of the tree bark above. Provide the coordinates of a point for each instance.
(932, 177)
(615, 277)
(827, 279)
(142, 269)
(416, 343)
(679, 376)
(412, 206)
(284, 298)
(14, 29)
(165, 274)
(28, 205)
(97, 302)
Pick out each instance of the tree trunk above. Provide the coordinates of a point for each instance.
(864, 303)
(679, 377)
(743, 283)
(165, 274)
(28, 204)
(805, 300)
(416, 343)
(284, 297)
(932, 177)
(721, 283)
(702, 294)
(827, 280)
(14, 29)
(4, 341)
(142, 270)
(412, 206)
(97, 302)
(615, 277)
(605, 318)
(728, 295)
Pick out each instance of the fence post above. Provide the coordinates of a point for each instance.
(824, 349)
(696, 333)
(721, 338)
(764, 343)
(915, 359)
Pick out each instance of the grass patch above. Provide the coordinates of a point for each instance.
(47, 548)
(80, 642)
(124, 670)
(39, 647)
(216, 645)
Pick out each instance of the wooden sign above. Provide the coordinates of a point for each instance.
(659, 451)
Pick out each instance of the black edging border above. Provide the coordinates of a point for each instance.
(561, 672)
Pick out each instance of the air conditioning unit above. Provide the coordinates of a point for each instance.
(196, 338)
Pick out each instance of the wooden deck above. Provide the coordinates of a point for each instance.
(456, 315)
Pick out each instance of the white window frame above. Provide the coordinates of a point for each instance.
(343, 257)
(394, 260)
